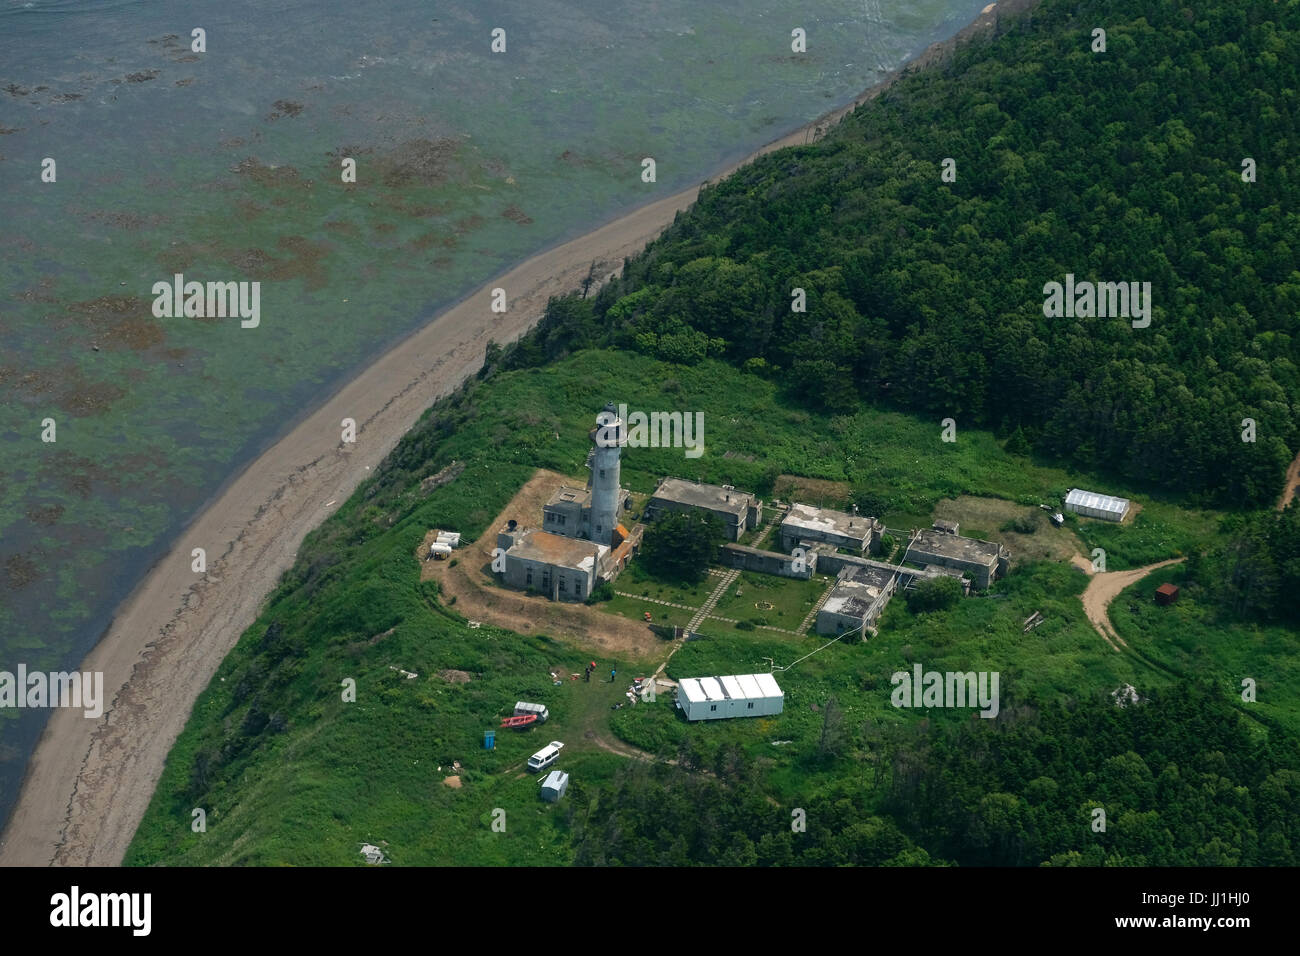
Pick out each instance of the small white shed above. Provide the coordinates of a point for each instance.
(553, 787)
(742, 695)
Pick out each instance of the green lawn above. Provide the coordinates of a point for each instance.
(792, 599)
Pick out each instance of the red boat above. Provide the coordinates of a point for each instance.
(521, 721)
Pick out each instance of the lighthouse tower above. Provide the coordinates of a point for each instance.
(608, 436)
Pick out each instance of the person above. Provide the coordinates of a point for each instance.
(586, 675)
(611, 675)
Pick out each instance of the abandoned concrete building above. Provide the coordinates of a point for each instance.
(830, 561)
(738, 510)
(768, 562)
(984, 561)
(569, 513)
(804, 523)
(564, 569)
(860, 594)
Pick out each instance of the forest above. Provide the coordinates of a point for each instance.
(1179, 780)
(1169, 159)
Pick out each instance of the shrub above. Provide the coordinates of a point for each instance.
(935, 594)
(1024, 524)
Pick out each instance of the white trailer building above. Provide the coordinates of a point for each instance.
(743, 695)
(1092, 505)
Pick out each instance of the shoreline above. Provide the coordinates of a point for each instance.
(88, 783)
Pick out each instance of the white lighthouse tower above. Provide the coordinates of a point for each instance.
(609, 436)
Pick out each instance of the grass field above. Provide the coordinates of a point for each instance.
(1189, 638)
(791, 599)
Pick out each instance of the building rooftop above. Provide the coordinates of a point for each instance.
(1078, 498)
(697, 495)
(875, 576)
(825, 521)
(739, 687)
(565, 494)
(556, 549)
(852, 600)
(746, 549)
(954, 547)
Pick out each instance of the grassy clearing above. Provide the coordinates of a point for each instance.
(1189, 637)
(791, 599)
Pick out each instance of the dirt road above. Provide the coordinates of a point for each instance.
(1292, 483)
(1104, 588)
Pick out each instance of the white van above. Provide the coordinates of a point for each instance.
(545, 757)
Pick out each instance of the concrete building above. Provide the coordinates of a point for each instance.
(738, 510)
(859, 596)
(984, 561)
(1092, 505)
(830, 561)
(837, 528)
(768, 562)
(563, 569)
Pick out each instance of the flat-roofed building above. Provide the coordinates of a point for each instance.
(737, 510)
(836, 528)
(768, 562)
(859, 596)
(568, 512)
(984, 561)
(563, 569)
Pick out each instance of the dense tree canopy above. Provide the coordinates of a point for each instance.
(1125, 166)
(680, 546)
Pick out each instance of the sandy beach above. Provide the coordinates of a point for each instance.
(89, 781)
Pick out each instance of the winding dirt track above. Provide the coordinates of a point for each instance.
(89, 782)
(1104, 588)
